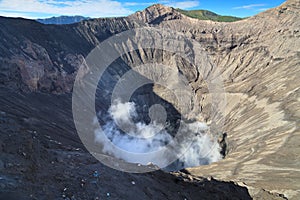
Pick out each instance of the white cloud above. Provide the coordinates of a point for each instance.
(262, 9)
(250, 6)
(138, 4)
(91, 8)
(15, 14)
(170, 3)
(183, 4)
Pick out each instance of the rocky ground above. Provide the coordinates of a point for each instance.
(257, 58)
(43, 158)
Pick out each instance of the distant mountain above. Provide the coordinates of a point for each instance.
(208, 15)
(62, 20)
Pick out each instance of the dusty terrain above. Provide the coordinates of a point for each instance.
(258, 59)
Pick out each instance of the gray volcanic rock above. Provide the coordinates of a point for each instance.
(257, 58)
(44, 159)
(157, 13)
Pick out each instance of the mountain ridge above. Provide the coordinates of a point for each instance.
(62, 19)
(208, 15)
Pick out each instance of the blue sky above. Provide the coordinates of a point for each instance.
(109, 8)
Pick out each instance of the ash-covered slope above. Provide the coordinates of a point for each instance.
(259, 63)
(259, 60)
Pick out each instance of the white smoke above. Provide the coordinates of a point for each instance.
(195, 148)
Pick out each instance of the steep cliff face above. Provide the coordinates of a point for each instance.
(257, 58)
(48, 56)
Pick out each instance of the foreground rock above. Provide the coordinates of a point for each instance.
(259, 62)
(43, 158)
